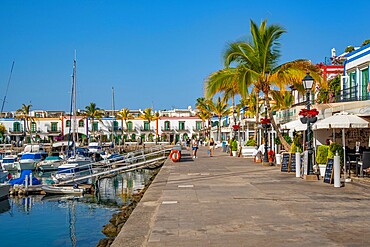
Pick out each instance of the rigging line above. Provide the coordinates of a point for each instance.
(7, 87)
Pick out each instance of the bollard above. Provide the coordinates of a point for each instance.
(30, 179)
(337, 171)
(26, 181)
(297, 165)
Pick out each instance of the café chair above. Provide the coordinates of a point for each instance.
(365, 163)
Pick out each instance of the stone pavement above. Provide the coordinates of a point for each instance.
(229, 201)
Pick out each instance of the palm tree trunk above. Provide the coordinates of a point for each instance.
(219, 128)
(274, 125)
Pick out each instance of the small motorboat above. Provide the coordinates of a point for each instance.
(4, 190)
(62, 190)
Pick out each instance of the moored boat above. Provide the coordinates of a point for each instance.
(10, 163)
(4, 190)
(51, 163)
(61, 190)
(28, 161)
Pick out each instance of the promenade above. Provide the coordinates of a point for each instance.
(229, 201)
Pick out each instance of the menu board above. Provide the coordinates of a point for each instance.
(328, 178)
(285, 162)
(292, 163)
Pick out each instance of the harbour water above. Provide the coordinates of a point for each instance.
(39, 220)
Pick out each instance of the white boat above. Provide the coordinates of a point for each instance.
(28, 161)
(62, 190)
(94, 147)
(50, 163)
(4, 190)
(10, 163)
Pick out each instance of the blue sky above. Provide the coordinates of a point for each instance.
(154, 53)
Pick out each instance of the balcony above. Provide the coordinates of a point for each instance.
(16, 131)
(143, 129)
(129, 130)
(350, 94)
(167, 129)
(54, 130)
(185, 129)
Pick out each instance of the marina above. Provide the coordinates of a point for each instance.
(65, 220)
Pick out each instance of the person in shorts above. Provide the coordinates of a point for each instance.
(194, 146)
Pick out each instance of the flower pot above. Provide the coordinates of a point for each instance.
(312, 119)
(234, 153)
(322, 169)
(303, 120)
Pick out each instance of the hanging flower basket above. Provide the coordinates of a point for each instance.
(236, 127)
(303, 120)
(265, 121)
(308, 113)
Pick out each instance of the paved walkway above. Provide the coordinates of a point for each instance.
(229, 201)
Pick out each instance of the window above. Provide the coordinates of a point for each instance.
(54, 126)
(115, 125)
(167, 125)
(182, 125)
(198, 125)
(33, 127)
(364, 83)
(129, 126)
(81, 123)
(146, 125)
(16, 127)
(95, 126)
(68, 123)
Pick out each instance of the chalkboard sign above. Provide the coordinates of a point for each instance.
(285, 162)
(328, 178)
(292, 164)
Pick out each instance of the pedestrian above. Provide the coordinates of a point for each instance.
(194, 145)
(211, 147)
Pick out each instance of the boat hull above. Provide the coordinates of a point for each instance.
(61, 190)
(4, 190)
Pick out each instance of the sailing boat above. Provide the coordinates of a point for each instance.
(77, 160)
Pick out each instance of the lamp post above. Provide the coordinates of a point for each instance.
(307, 83)
(234, 127)
(265, 126)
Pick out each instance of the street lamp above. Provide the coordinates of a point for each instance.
(307, 83)
(235, 114)
(266, 126)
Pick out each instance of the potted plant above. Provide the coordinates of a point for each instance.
(322, 158)
(249, 148)
(333, 149)
(234, 147)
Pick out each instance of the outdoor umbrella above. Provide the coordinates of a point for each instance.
(295, 125)
(342, 121)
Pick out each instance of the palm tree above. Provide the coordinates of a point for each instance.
(148, 115)
(93, 112)
(219, 108)
(24, 113)
(256, 65)
(205, 112)
(124, 115)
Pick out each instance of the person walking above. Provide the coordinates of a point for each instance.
(211, 147)
(194, 146)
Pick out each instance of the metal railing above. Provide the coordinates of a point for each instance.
(131, 161)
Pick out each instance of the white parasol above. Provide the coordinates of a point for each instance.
(343, 121)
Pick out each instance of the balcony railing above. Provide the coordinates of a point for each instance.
(147, 129)
(16, 131)
(350, 94)
(54, 130)
(185, 129)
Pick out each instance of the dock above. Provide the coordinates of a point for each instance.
(231, 201)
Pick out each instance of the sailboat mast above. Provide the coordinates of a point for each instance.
(114, 117)
(7, 87)
(74, 130)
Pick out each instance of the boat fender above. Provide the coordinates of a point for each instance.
(175, 155)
